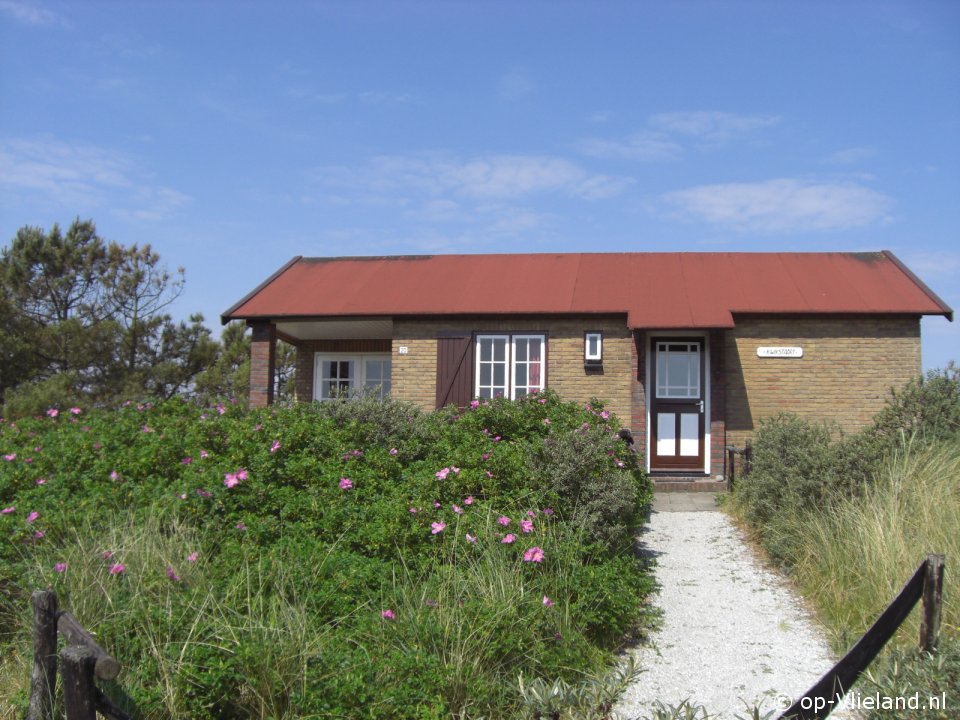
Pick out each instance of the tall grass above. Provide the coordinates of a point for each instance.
(854, 554)
(169, 632)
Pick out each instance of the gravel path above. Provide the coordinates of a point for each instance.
(733, 634)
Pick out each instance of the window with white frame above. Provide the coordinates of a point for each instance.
(509, 365)
(344, 374)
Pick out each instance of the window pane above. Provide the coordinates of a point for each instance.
(500, 375)
(678, 370)
(486, 349)
(500, 349)
(520, 349)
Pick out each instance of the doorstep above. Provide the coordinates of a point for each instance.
(674, 482)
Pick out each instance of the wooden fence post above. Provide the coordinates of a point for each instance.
(43, 679)
(79, 691)
(932, 603)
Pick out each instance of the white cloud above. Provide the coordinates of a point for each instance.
(640, 146)
(850, 156)
(515, 85)
(661, 139)
(483, 177)
(509, 175)
(939, 263)
(783, 205)
(79, 175)
(29, 14)
(711, 125)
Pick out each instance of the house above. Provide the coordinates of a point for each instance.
(690, 350)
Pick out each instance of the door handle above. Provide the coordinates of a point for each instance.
(700, 404)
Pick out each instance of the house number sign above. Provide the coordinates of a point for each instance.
(780, 352)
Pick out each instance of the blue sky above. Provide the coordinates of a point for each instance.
(234, 135)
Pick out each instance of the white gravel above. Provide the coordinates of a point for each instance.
(733, 634)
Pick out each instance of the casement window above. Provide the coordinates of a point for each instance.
(509, 365)
(344, 374)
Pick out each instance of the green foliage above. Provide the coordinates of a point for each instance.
(260, 550)
(912, 674)
(927, 406)
(852, 518)
(88, 318)
(590, 699)
(799, 465)
(228, 376)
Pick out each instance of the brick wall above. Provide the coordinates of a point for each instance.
(848, 366)
(263, 353)
(415, 373)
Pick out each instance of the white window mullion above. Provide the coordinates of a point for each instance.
(509, 365)
(339, 374)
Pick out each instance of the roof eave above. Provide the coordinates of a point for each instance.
(228, 314)
(945, 309)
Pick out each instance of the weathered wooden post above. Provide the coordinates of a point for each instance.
(43, 679)
(79, 692)
(106, 666)
(932, 603)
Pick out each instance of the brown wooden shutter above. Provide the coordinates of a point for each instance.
(454, 370)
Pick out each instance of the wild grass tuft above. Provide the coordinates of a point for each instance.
(857, 552)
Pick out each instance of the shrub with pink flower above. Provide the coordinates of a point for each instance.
(75, 411)
(503, 520)
(118, 569)
(437, 527)
(388, 614)
(275, 446)
(52, 412)
(32, 517)
(547, 601)
(346, 483)
(526, 525)
(60, 567)
(534, 554)
(508, 538)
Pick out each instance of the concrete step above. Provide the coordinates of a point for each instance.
(673, 483)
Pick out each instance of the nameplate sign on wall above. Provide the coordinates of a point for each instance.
(780, 352)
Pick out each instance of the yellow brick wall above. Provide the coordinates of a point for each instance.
(415, 373)
(845, 374)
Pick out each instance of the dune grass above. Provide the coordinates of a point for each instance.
(856, 553)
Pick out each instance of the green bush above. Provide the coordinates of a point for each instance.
(259, 550)
(928, 407)
(851, 518)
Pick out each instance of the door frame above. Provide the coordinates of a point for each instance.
(704, 337)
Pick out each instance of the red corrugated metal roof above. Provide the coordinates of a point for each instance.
(654, 290)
